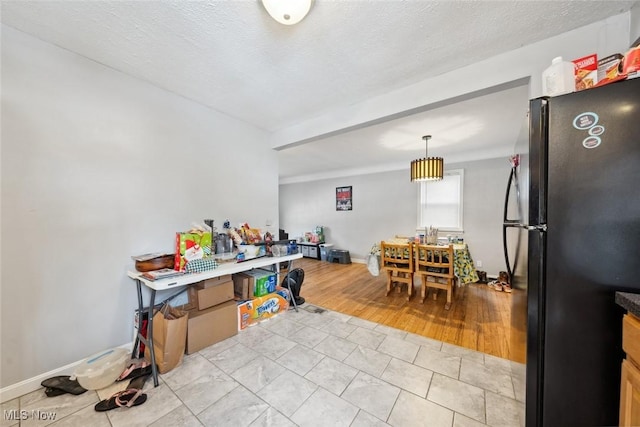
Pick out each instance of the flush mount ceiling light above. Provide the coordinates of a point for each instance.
(429, 168)
(287, 12)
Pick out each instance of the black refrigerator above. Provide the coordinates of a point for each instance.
(582, 242)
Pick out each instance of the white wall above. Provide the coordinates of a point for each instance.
(386, 204)
(98, 166)
(634, 25)
(485, 184)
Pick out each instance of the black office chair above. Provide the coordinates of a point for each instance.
(293, 281)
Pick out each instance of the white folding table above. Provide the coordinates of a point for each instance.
(189, 279)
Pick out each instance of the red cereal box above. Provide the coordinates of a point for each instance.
(586, 72)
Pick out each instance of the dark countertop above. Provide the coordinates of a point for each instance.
(629, 301)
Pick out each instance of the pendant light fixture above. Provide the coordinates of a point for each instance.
(287, 12)
(429, 168)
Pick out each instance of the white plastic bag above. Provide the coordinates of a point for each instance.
(373, 265)
(373, 260)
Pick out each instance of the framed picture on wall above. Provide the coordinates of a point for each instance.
(344, 201)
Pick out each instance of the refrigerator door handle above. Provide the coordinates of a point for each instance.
(539, 227)
(507, 223)
(512, 176)
(515, 224)
(507, 261)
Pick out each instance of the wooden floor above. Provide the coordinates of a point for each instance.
(479, 318)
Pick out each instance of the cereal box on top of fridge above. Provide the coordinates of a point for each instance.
(586, 72)
(610, 69)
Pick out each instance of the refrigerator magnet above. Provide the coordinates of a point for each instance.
(591, 142)
(596, 130)
(584, 121)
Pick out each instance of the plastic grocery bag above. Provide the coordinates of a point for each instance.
(373, 260)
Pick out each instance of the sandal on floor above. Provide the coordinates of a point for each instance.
(495, 285)
(53, 392)
(122, 399)
(62, 383)
(135, 370)
(138, 382)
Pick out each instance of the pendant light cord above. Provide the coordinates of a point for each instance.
(426, 143)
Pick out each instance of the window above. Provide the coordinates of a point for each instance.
(440, 203)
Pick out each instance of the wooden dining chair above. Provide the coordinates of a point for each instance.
(434, 265)
(397, 260)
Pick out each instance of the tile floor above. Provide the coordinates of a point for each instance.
(309, 369)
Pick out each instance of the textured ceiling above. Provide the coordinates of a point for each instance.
(482, 127)
(231, 56)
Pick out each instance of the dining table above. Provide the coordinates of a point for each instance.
(463, 266)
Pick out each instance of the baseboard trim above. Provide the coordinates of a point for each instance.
(32, 384)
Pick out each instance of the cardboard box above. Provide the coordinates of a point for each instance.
(242, 286)
(207, 327)
(218, 280)
(202, 297)
(586, 72)
(610, 69)
(262, 282)
(261, 308)
(631, 62)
